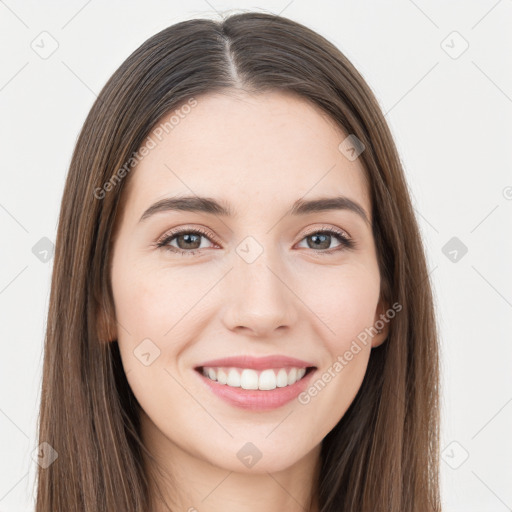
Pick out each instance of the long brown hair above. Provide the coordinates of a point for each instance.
(383, 454)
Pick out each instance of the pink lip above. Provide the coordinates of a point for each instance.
(257, 363)
(257, 400)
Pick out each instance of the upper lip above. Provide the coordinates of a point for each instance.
(257, 363)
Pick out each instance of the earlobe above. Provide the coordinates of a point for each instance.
(379, 338)
(381, 325)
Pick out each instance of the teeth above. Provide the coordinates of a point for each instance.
(222, 377)
(233, 378)
(251, 379)
(282, 378)
(267, 380)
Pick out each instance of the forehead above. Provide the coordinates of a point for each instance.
(249, 150)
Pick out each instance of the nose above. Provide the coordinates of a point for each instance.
(260, 298)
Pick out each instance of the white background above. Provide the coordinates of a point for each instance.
(451, 119)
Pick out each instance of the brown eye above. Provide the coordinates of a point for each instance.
(187, 241)
(319, 241)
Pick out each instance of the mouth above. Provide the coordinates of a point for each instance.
(251, 379)
(256, 390)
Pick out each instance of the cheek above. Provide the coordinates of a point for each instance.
(159, 312)
(154, 306)
(347, 310)
(346, 303)
(151, 317)
(151, 302)
(139, 306)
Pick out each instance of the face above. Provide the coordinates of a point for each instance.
(194, 285)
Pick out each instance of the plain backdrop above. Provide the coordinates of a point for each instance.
(441, 73)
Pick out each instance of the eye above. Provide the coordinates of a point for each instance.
(322, 240)
(188, 241)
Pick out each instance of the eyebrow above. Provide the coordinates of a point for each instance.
(214, 207)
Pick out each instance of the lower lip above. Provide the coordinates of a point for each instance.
(257, 399)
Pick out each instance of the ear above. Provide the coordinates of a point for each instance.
(380, 323)
(106, 325)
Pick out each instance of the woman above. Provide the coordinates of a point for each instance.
(240, 312)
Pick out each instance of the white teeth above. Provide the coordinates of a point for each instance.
(267, 380)
(251, 379)
(282, 378)
(292, 376)
(222, 377)
(233, 378)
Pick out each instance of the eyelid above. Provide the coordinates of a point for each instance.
(324, 227)
(187, 229)
(207, 233)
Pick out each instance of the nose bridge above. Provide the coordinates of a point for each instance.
(259, 297)
(257, 267)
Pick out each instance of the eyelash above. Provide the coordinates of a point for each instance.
(345, 242)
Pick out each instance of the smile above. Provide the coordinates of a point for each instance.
(255, 390)
(247, 378)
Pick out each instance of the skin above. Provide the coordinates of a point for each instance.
(258, 153)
